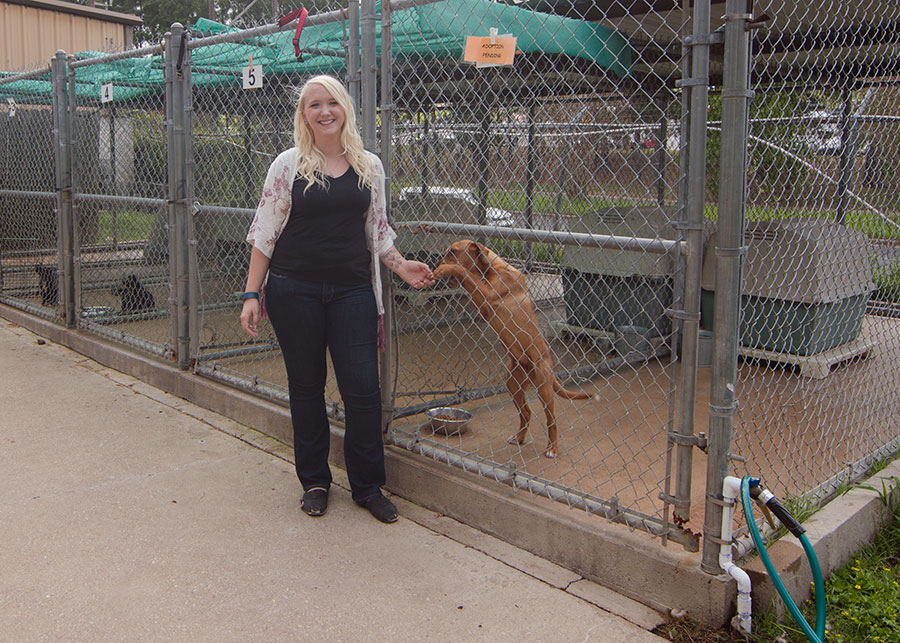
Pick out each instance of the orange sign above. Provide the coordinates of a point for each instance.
(484, 51)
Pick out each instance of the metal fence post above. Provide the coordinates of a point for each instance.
(190, 249)
(387, 120)
(168, 79)
(849, 141)
(353, 55)
(62, 143)
(698, 86)
(71, 113)
(368, 71)
(736, 94)
(177, 108)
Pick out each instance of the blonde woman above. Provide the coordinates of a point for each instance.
(318, 235)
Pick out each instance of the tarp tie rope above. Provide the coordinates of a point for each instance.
(299, 15)
(181, 49)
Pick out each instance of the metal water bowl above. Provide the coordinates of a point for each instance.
(447, 420)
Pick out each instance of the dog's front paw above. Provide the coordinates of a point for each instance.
(442, 271)
(550, 452)
(449, 270)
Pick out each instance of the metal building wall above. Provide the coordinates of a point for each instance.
(31, 33)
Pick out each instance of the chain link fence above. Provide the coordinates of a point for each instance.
(819, 336)
(122, 271)
(28, 225)
(605, 165)
(544, 162)
(236, 134)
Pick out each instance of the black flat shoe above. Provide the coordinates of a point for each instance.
(315, 502)
(380, 507)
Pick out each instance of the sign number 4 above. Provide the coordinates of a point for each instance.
(253, 76)
(106, 93)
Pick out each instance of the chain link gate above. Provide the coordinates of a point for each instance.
(235, 135)
(566, 165)
(121, 226)
(29, 253)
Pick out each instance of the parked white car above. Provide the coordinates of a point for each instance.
(494, 216)
(823, 134)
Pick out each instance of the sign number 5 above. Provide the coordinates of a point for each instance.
(253, 76)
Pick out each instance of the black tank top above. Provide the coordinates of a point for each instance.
(325, 237)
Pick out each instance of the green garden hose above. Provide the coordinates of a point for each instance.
(817, 636)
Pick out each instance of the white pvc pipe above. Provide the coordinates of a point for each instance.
(731, 489)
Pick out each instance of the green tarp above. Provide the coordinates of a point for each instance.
(435, 32)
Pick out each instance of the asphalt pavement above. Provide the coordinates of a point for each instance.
(129, 514)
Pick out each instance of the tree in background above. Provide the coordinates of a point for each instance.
(158, 15)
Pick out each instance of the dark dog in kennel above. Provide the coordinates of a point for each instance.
(135, 297)
(49, 284)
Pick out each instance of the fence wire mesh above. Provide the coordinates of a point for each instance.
(119, 176)
(578, 135)
(572, 165)
(29, 267)
(819, 333)
(236, 134)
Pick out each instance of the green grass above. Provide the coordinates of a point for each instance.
(568, 206)
(545, 199)
(864, 595)
(867, 222)
(124, 226)
(862, 598)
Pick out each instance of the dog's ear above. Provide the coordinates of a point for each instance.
(483, 259)
(475, 251)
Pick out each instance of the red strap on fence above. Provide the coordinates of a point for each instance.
(289, 17)
(299, 15)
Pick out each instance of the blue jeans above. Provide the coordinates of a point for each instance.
(309, 317)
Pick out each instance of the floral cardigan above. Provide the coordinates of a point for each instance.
(274, 209)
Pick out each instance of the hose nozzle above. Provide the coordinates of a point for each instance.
(761, 496)
(769, 503)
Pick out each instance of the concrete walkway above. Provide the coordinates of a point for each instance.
(128, 514)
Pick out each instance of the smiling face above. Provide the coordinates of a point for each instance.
(323, 114)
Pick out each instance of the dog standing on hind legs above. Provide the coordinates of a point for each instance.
(498, 291)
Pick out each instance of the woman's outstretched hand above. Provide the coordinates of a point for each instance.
(416, 274)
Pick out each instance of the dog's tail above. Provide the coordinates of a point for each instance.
(569, 395)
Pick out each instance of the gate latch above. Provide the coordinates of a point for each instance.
(698, 440)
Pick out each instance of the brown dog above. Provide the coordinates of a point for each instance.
(499, 292)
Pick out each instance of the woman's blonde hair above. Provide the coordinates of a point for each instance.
(310, 159)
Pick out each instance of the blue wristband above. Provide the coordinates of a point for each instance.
(250, 295)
